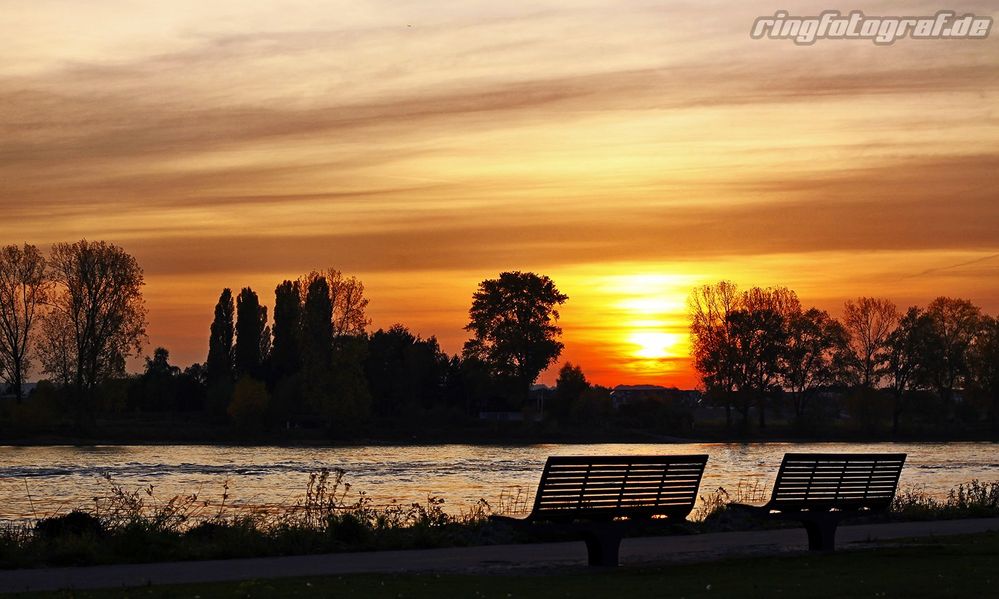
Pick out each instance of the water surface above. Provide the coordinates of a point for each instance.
(37, 481)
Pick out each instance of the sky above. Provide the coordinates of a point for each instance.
(629, 150)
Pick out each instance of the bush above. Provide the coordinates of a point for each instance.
(76, 523)
(248, 408)
(132, 526)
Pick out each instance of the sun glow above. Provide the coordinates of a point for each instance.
(650, 305)
(654, 345)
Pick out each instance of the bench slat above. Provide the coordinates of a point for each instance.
(827, 480)
(605, 487)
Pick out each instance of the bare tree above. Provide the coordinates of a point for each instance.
(869, 321)
(347, 297)
(98, 316)
(349, 304)
(23, 291)
(737, 343)
(709, 307)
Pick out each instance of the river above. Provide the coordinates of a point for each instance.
(40, 481)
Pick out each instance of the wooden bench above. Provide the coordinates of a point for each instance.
(820, 489)
(602, 497)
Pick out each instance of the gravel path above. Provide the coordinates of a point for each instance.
(494, 558)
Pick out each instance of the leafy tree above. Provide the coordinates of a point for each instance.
(869, 321)
(469, 385)
(252, 335)
(220, 357)
(285, 358)
(569, 389)
(902, 359)
(593, 408)
(349, 406)
(758, 336)
(812, 354)
(983, 367)
(952, 325)
(157, 387)
(99, 318)
(24, 288)
(192, 385)
(317, 344)
(513, 319)
(738, 340)
(248, 408)
(404, 372)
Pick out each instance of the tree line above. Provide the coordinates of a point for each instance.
(85, 300)
(79, 315)
(754, 348)
(317, 366)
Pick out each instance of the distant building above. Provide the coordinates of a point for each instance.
(497, 409)
(626, 394)
(7, 392)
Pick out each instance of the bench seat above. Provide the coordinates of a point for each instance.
(820, 489)
(602, 497)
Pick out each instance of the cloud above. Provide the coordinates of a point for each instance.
(238, 140)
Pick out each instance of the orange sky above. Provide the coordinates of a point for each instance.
(628, 150)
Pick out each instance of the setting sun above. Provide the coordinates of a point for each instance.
(654, 345)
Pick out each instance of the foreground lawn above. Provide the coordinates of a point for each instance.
(965, 566)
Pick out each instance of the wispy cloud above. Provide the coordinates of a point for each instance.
(404, 138)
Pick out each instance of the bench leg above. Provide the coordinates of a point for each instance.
(821, 534)
(602, 549)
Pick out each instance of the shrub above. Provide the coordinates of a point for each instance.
(248, 407)
(76, 523)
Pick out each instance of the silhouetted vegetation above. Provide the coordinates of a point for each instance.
(123, 525)
(24, 288)
(513, 323)
(135, 526)
(769, 366)
(931, 370)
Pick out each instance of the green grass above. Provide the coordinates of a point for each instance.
(966, 566)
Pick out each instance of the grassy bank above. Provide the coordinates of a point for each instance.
(133, 526)
(940, 567)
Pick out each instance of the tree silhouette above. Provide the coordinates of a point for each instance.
(317, 345)
(252, 335)
(758, 329)
(812, 355)
(569, 389)
(405, 374)
(904, 350)
(285, 358)
(951, 328)
(220, 357)
(983, 367)
(349, 304)
(98, 316)
(710, 308)
(869, 321)
(513, 321)
(24, 287)
(158, 386)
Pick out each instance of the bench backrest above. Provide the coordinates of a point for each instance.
(837, 480)
(604, 487)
